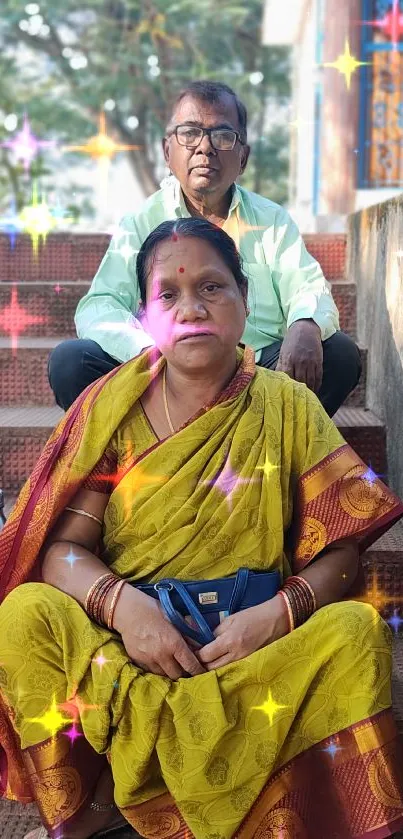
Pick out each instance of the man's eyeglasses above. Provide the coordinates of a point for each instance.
(221, 139)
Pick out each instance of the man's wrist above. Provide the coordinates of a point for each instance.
(309, 321)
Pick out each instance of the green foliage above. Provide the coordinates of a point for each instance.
(214, 39)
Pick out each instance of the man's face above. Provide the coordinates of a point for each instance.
(204, 171)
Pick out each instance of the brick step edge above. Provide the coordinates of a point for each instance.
(51, 307)
(78, 255)
(24, 377)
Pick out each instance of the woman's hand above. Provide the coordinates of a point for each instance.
(149, 638)
(245, 632)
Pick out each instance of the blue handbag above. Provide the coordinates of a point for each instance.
(207, 602)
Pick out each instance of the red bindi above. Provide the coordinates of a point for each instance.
(181, 270)
(174, 237)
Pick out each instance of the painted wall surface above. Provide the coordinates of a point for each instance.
(375, 262)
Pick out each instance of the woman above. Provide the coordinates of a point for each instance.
(189, 462)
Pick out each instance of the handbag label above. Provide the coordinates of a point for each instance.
(208, 597)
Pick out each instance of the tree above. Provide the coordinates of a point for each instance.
(72, 57)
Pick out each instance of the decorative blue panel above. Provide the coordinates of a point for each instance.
(381, 96)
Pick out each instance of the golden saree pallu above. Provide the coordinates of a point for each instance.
(297, 740)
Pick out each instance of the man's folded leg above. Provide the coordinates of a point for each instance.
(73, 365)
(341, 368)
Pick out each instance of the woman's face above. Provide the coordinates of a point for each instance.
(195, 311)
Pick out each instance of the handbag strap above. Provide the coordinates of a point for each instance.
(238, 592)
(163, 588)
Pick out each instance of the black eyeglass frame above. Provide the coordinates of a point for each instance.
(209, 132)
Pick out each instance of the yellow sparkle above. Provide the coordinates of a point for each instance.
(267, 467)
(269, 707)
(37, 220)
(376, 597)
(346, 64)
(101, 147)
(52, 720)
(299, 123)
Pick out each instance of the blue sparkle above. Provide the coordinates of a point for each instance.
(71, 558)
(332, 749)
(395, 621)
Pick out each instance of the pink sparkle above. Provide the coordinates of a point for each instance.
(101, 660)
(227, 480)
(391, 23)
(76, 707)
(25, 144)
(58, 288)
(14, 319)
(73, 734)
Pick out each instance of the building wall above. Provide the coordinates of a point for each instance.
(375, 261)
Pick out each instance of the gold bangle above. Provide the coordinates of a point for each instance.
(112, 607)
(289, 610)
(84, 513)
(93, 587)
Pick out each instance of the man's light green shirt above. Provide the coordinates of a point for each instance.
(285, 282)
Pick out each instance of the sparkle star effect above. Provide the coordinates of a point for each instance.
(370, 476)
(77, 707)
(73, 734)
(101, 147)
(52, 720)
(270, 707)
(14, 319)
(125, 250)
(100, 660)
(376, 597)
(332, 749)
(128, 480)
(346, 64)
(267, 468)
(391, 23)
(37, 220)
(395, 621)
(227, 481)
(10, 223)
(71, 558)
(25, 145)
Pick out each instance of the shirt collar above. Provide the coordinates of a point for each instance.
(178, 202)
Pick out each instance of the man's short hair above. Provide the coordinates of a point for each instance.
(212, 92)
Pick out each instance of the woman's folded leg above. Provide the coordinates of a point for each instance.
(234, 749)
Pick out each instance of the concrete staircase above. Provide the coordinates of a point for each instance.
(38, 298)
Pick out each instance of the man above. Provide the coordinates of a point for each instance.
(293, 323)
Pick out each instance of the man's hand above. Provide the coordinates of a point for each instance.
(301, 354)
(242, 634)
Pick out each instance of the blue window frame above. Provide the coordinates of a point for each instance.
(380, 160)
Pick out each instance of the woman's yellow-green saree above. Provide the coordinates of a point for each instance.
(297, 740)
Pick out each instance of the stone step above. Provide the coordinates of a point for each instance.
(366, 434)
(24, 431)
(24, 379)
(46, 309)
(76, 256)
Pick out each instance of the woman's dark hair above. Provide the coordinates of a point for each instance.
(199, 229)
